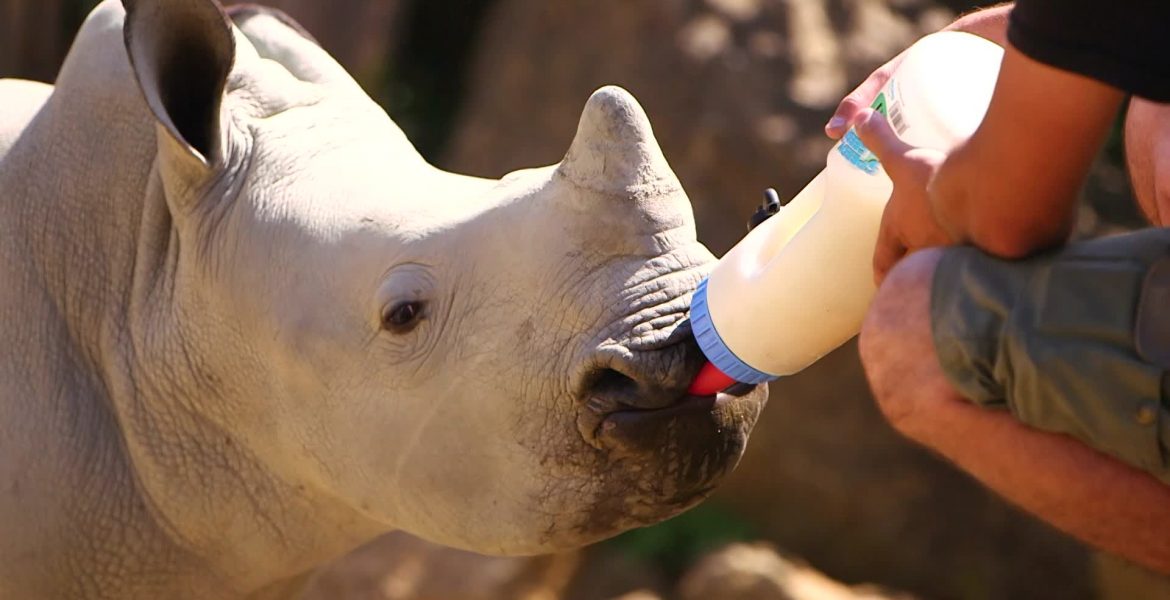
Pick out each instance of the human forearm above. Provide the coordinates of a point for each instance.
(1011, 189)
(1089, 495)
(990, 23)
(973, 200)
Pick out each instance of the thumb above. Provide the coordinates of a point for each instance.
(853, 105)
(881, 139)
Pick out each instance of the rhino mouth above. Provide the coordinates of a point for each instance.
(632, 418)
(657, 449)
(660, 451)
(634, 406)
(606, 420)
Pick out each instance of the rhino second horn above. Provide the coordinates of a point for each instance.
(614, 151)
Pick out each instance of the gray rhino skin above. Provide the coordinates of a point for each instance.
(247, 328)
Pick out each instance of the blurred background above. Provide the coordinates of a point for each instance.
(737, 91)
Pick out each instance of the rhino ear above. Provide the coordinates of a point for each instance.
(182, 53)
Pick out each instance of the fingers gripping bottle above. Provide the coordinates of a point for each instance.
(799, 284)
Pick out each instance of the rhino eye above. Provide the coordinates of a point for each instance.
(402, 317)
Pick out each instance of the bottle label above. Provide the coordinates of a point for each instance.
(889, 103)
(857, 154)
(851, 146)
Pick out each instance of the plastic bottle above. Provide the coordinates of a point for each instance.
(799, 284)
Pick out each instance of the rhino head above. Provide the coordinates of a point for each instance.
(369, 343)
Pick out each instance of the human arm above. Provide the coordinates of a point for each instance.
(1011, 189)
(990, 23)
(1147, 155)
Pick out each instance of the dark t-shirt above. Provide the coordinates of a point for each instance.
(1124, 43)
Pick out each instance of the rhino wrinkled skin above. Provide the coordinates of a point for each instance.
(246, 327)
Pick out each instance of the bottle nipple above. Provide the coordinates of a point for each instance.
(710, 381)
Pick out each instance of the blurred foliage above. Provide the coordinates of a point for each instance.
(675, 544)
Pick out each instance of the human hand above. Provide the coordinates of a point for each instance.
(860, 98)
(989, 23)
(908, 223)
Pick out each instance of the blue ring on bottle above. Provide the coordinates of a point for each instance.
(713, 346)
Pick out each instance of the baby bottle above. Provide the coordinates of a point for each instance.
(799, 284)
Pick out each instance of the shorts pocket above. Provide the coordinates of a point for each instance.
(1084, 299)
(1080, 372)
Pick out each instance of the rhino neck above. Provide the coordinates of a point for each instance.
(74, 186)
(71, 190)
(88, 250)
(177, 495)
(71, 211)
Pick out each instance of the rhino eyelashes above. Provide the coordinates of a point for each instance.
(403, 316)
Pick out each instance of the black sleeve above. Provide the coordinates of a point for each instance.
(1123, 43)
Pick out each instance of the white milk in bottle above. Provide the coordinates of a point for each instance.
(799, 284)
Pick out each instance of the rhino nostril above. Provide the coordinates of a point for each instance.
(610, 382)
(608, 390)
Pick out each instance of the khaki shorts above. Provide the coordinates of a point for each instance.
(1076, 341)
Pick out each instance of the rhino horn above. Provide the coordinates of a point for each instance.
(614, 151)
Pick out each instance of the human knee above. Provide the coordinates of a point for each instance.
(895, 336)
(900, 312)
(1147, 152)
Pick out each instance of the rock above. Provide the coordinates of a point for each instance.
(400, 567)
(639, 595)
(758, 572)
(738, 91)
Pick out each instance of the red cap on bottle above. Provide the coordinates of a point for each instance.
(710, 381)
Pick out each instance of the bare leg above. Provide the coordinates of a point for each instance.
(1089, 495)
(1147, 151)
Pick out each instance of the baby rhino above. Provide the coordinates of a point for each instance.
(247, 328)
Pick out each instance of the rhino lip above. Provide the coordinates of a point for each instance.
(629, 415)
(604, 416)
